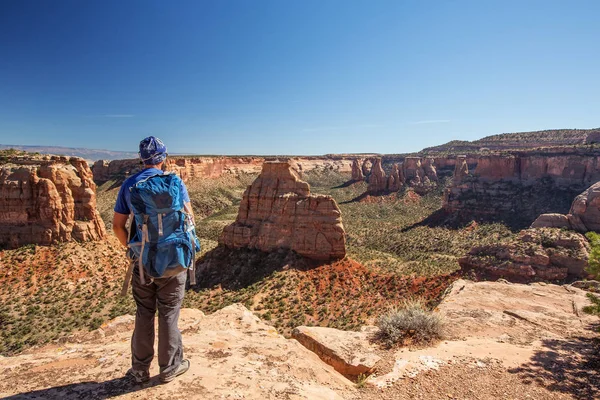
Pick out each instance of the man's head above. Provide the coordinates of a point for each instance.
(152, 151)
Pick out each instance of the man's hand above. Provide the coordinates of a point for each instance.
(119, 227)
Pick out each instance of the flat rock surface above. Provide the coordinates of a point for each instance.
(524, 313)
(233, 355)
(534, 336)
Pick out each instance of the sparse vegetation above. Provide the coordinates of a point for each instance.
(50, 292)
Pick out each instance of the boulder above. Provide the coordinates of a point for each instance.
(350, 353)
(279, 212)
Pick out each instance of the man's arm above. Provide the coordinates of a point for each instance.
(119, 227)
(187, 206)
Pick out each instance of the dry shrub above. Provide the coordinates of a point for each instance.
(410, 323)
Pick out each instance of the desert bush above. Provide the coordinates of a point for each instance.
(409, 323)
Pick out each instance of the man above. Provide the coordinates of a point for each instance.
(165, 293)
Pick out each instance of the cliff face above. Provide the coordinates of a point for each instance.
(523, 185)
(213, 167)
(278, 212)
(47, 199)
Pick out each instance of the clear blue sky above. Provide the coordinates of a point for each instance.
(294, 77)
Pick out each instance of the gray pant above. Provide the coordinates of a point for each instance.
(166, 294)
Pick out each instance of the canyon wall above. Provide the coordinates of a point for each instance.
(279, 212)
(520, 185)
(214, 167)
(47, 199)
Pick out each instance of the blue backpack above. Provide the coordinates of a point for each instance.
(165, 242)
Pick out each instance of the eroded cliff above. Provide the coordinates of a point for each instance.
(46, 199)
(521, 185)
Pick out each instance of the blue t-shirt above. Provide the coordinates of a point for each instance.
(123, 205)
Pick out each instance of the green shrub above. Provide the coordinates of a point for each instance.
(594, 260)
(410, 323)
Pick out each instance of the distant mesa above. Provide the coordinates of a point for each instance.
(210, 167)
(279, 212)
(47, 199)
(87, 154)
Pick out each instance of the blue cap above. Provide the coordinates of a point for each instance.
(152, 151)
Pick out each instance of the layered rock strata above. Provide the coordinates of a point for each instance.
(522, 184)
(47, 199)
(189, 168)
(537, 254)
(279, 212)
(583, 216)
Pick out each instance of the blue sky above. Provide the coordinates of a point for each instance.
(294, 77)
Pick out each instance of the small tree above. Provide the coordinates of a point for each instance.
(594, 269)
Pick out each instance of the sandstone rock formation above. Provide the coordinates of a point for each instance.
(377, 178)
(413, 171)
(357, 173)
(461, 170)
(192, 167)
(420, 173)
(583, 216)
(104, 170)
(538, 254)
(366, 167)
(47, 199)
(518, 184)
(429, 169)
(350, 353)
(232, 355)
(396, 179)
(278, 212)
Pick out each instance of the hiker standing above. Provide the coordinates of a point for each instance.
(155, 285)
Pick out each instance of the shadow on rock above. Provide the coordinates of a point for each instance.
(345, 184)
(567, 365)
(88, 390)
(234, 269)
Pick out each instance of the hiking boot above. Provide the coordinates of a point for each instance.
(182, 369)
(138, 376)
